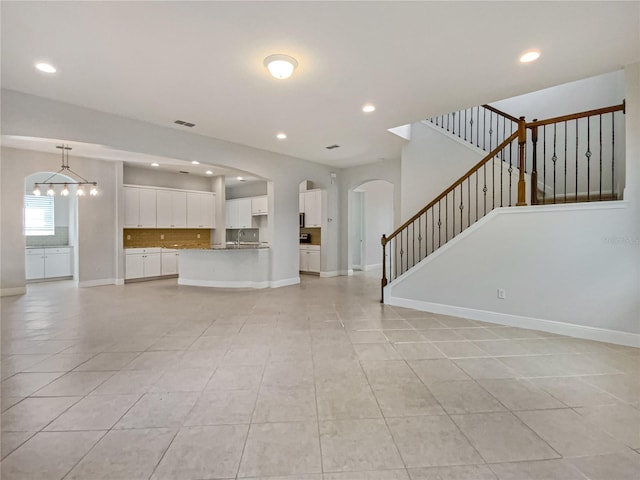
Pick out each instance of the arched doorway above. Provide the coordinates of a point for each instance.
(371, 214)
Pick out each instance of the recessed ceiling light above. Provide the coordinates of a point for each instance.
(529, 56)
(281, 136)
(368, 108)
(154, 164)
(280, 66)
(46, 68)
(195, 162)
(209, 172)
(239, 178)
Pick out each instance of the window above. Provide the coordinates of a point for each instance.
(38, 215)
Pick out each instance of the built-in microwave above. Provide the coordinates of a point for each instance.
(302, 220)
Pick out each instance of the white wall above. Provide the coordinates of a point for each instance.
(32, 116)
(431, 162)
(249, 189)
(567, 268)
(133, 175)
(97, 232)
(378, 219)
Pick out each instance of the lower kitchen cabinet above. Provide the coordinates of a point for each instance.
(310, 258)
(142, 262)
(169, 261)
(50, 262)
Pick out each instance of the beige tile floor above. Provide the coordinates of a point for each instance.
(311, 382)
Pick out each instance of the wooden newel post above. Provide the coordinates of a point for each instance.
(383, 283)
(522, 141)
(534, 167)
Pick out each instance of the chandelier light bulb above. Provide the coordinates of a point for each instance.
(80, 191)
(36, 190)
(94, 191)
(50, 191)
(65, 191)
(280, 66)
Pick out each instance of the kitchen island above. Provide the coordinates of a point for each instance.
(225, 266)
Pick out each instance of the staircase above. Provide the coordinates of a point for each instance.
(565, 159)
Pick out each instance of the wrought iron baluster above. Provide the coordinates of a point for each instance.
(544, 163)
(461, 206)
(510, 173)
(493, 182)
(588, 155)
(613, 148)
(439, 225)
(465, 124)
(576, 159)
(453, 130)
(565, 162)
(453, 212)
(414, 242)
(484, 129)
(554, 159)
(600, 156)
(484, 189)
(420, 237)
(478, 127)
(476, 196)
(433, 228)
(446, 218)
(469, 200)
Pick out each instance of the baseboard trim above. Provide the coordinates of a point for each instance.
(97, 283)
(373, 266)
(334, 273)
(284, 283)
(223, 283)
(551, 326)
(8, 292)
(120, 281)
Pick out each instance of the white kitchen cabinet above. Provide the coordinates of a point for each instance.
(49, 262)
(139, 207)
(142, 262)
(310, 258)
(238, 213)
(169, 261)
(200, 210)
(301, 202)
(259, 205)
(34, 263)
(171, 209)
(311, 204)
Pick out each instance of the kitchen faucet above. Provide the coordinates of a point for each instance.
(240, 234)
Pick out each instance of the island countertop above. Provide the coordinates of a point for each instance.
(225, 266)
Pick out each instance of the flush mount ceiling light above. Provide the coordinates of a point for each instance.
(65, 170)
(280, 66)
(368, 108)
(209, 172)
(281, 136)
(154, 164)
(46, 68)
(240, 179)
(529, 56)
(195, 162)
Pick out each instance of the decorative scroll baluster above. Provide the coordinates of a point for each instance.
(484, 189)
(439, 226)
(600, 156)
(588, 155)
(510, 174)
(554, 159)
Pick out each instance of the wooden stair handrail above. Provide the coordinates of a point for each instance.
(473, 169)
(575, 116)
(500, 112)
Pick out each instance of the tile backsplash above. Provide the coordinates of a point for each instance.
(152, 237)
(60, 238)
(248, 235)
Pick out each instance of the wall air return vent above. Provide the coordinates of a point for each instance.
(185, 124)
(331, 147)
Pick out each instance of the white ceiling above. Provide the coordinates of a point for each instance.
(202, 62)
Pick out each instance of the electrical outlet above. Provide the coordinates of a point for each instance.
(162, 236)
(502, 293)
(128, 237)
(198, 236)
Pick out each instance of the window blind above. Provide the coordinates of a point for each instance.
(38, 215)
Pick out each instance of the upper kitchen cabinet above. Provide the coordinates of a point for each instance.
(259, 205)
(171, 209)
(311, 206)
(239, 213)
(139, 207)
(201, 210)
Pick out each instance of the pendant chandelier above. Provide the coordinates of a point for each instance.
(66, 170)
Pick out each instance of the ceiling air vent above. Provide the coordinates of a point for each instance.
(182, 171)
(185, 124)
(331, 147)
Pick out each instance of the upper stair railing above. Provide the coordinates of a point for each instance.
(484, 126)
(570, 159)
